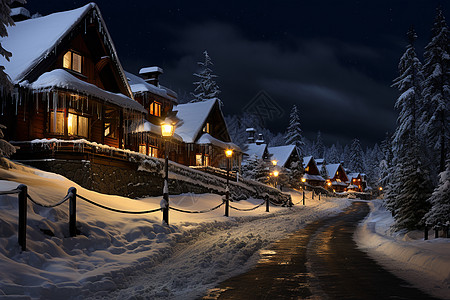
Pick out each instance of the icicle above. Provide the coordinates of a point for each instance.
(17, 102)
(37, 103)
(48, 101)
(85, 26)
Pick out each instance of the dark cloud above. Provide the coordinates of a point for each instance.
(333, 97)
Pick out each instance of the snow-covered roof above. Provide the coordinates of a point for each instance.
(313, 177)
(256, 150)
(306, 160)
(139, 85)
(206, 138)
(193, 116)
(319, 161)
(250, 129)
(332, 169)
(281, 153)
(350, 176)
(60, 78)
(32, 40)
(150, 70)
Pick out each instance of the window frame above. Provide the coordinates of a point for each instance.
(155, 109)
(71, 67)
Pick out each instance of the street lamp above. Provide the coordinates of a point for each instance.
(166, 132)
(275, 174)
(274, 162)
(228, 154)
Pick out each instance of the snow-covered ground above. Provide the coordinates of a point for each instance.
(116, 253)
(425, 264)
(121, 256)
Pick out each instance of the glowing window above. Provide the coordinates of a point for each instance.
(77, 125)
(155, 109)
(153, 151)
(73, 61)
(206, 160)
(198, 160)
(57, 122)
(206, 128)
(143, 149)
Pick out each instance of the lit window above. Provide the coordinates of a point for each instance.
(155, 109)
(307, 169)
(206, 128)
(72, 61)
(77, 125)
(153, 151)
(206, 160)
(57, 122)
(143, 149)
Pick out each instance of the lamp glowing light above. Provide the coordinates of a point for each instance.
(167, 130)
(228, 153)
(274, 162)
(275, 173)
(303, 180)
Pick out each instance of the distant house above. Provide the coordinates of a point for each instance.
(68, 82)
(337, 178)
(357, 182)
(284, 155)
(312, 173)
(256, 147)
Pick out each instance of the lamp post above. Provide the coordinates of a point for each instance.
(166, 132)
(228, 154)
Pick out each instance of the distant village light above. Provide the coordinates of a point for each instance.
(275, 173)
(167, 130)
(380, 188)
(329, 183)
(303, 180)
(274, 162)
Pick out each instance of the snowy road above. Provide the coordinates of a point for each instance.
(320, 261)
(208, 257)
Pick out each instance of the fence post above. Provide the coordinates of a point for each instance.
(303, 197)
(267, 203)
(319, 195)
(22, 239)
(227, 202)
(312, 194)
(73, 212)
(425, 233)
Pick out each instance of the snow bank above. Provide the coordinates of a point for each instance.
(114, 251)
(426, 264)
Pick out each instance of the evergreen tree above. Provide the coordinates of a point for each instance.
(440, 200)
(323, 171)
(409, 187)
(294, 132)
(248, 168)
(5, 21)
(319, 147)
(333, 156)
(296, 173)
(277, 140)
(6, 149)
(435, 118)
(356, 162)
(205, 88)
(262, 171)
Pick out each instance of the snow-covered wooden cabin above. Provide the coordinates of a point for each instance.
(205, 136)
(159, 101)
(284, 155)
(312, 174)
(357, 182)
(337, 177)
(68, 82)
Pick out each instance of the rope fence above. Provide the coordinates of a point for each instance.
(72, 196)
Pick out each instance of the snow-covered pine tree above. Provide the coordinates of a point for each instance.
(319, 147)
(436, 69)
(294, 132)
(332, 155)
(248, 168)
(262, 171)
(277, 140)
(323, 171)
(356, 162)
(5, 21)
(205, 88)
(296, 173)
(440, 200)
(6, 149)
(409, 187)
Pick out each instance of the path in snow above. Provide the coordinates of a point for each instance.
(214, 255)
(320, 261)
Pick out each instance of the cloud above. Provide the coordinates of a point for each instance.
(333, 95)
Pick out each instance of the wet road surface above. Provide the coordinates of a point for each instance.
(320, 261)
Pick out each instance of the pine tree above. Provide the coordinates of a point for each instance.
(262, 171)
(294, 132)
(248, 168)
(440, 200)
(409, 187)
(356, 163)
(323, 171)
(319, 147)
(333, 156)
(296, 173)
(205, 88)
(435, 118)
(5, 21)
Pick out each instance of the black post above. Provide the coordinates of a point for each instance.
(227, 192)
(22, 239)
(303, 197)
(425, 233)
(73, 212)
(312, 194)
(267, 203)
(166, 187)
(319, 195)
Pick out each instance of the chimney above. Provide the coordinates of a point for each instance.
(251, 135)
(151, 74)
(19, 12)
(260, 139)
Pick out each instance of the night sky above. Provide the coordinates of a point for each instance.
(335, 59)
